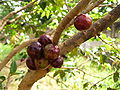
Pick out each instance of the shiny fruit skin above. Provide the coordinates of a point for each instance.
(57, 63)
(45, 40)
(82, 22)
(31, 64)
(51, 51)
(35, 50)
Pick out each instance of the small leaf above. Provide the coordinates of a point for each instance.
(13, 67)
(57, 72)
(2, 78)
(116, 76)
(62, 75)
(85, 85)
(43, 4)
(103, 59)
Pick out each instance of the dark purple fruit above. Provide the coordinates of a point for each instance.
(41, 63)
(45, 39)
(35, 50)
(51, 51)
(58, 62)
(82, 22)
(31, 64)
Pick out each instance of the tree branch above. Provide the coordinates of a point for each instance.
(15, 51)
(88, 9)
(3, 22)
(78, 8)
(95, 29)
(30, 78)
(74, 41)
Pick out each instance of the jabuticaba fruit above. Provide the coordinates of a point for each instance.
(41, 63)
(35, 50)
(82, 22)
(45, 39)
(31, 64)
(51, 51)
(58, 62)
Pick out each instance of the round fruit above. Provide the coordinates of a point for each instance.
(35, 50)
(82, 22)
(41, 63)
(58, 62)
(51, 51)
(31, 64)
(45, 39)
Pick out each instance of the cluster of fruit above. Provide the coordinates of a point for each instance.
(43, 53)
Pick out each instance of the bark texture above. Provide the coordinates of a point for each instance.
(95, 29)
(32, 76)
(78, 8)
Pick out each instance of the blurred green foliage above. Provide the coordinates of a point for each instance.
(87, 65)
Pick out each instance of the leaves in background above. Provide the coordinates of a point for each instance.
(13, 67)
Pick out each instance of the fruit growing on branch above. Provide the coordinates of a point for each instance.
(82, 22)
(51, 51)
(31, 64)
(35, 50)
(45, 39)
(57, 63)
(41, 63)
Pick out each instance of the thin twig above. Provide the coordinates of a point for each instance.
(5, 19)
(79, 70)
(101, 80)
(111, 46)
(59, 81)
(15, 51)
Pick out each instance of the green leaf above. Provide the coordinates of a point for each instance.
(58, 72)
(85, 85)
(43, 4)
(62, 75)
(13, 67)
(103, 59)
(116, 76)
(2, 78)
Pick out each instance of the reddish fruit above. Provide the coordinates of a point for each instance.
(35, 50)
(82, 22)
(51, 51)
(41, 63)
(45, 39)
(58, 62)
(31, 64)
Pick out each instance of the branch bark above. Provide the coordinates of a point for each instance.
(95, 29)
(78, 8)
(4, 21)
(15, 51)
(30, 78)
(88, 9)
(74, 41)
